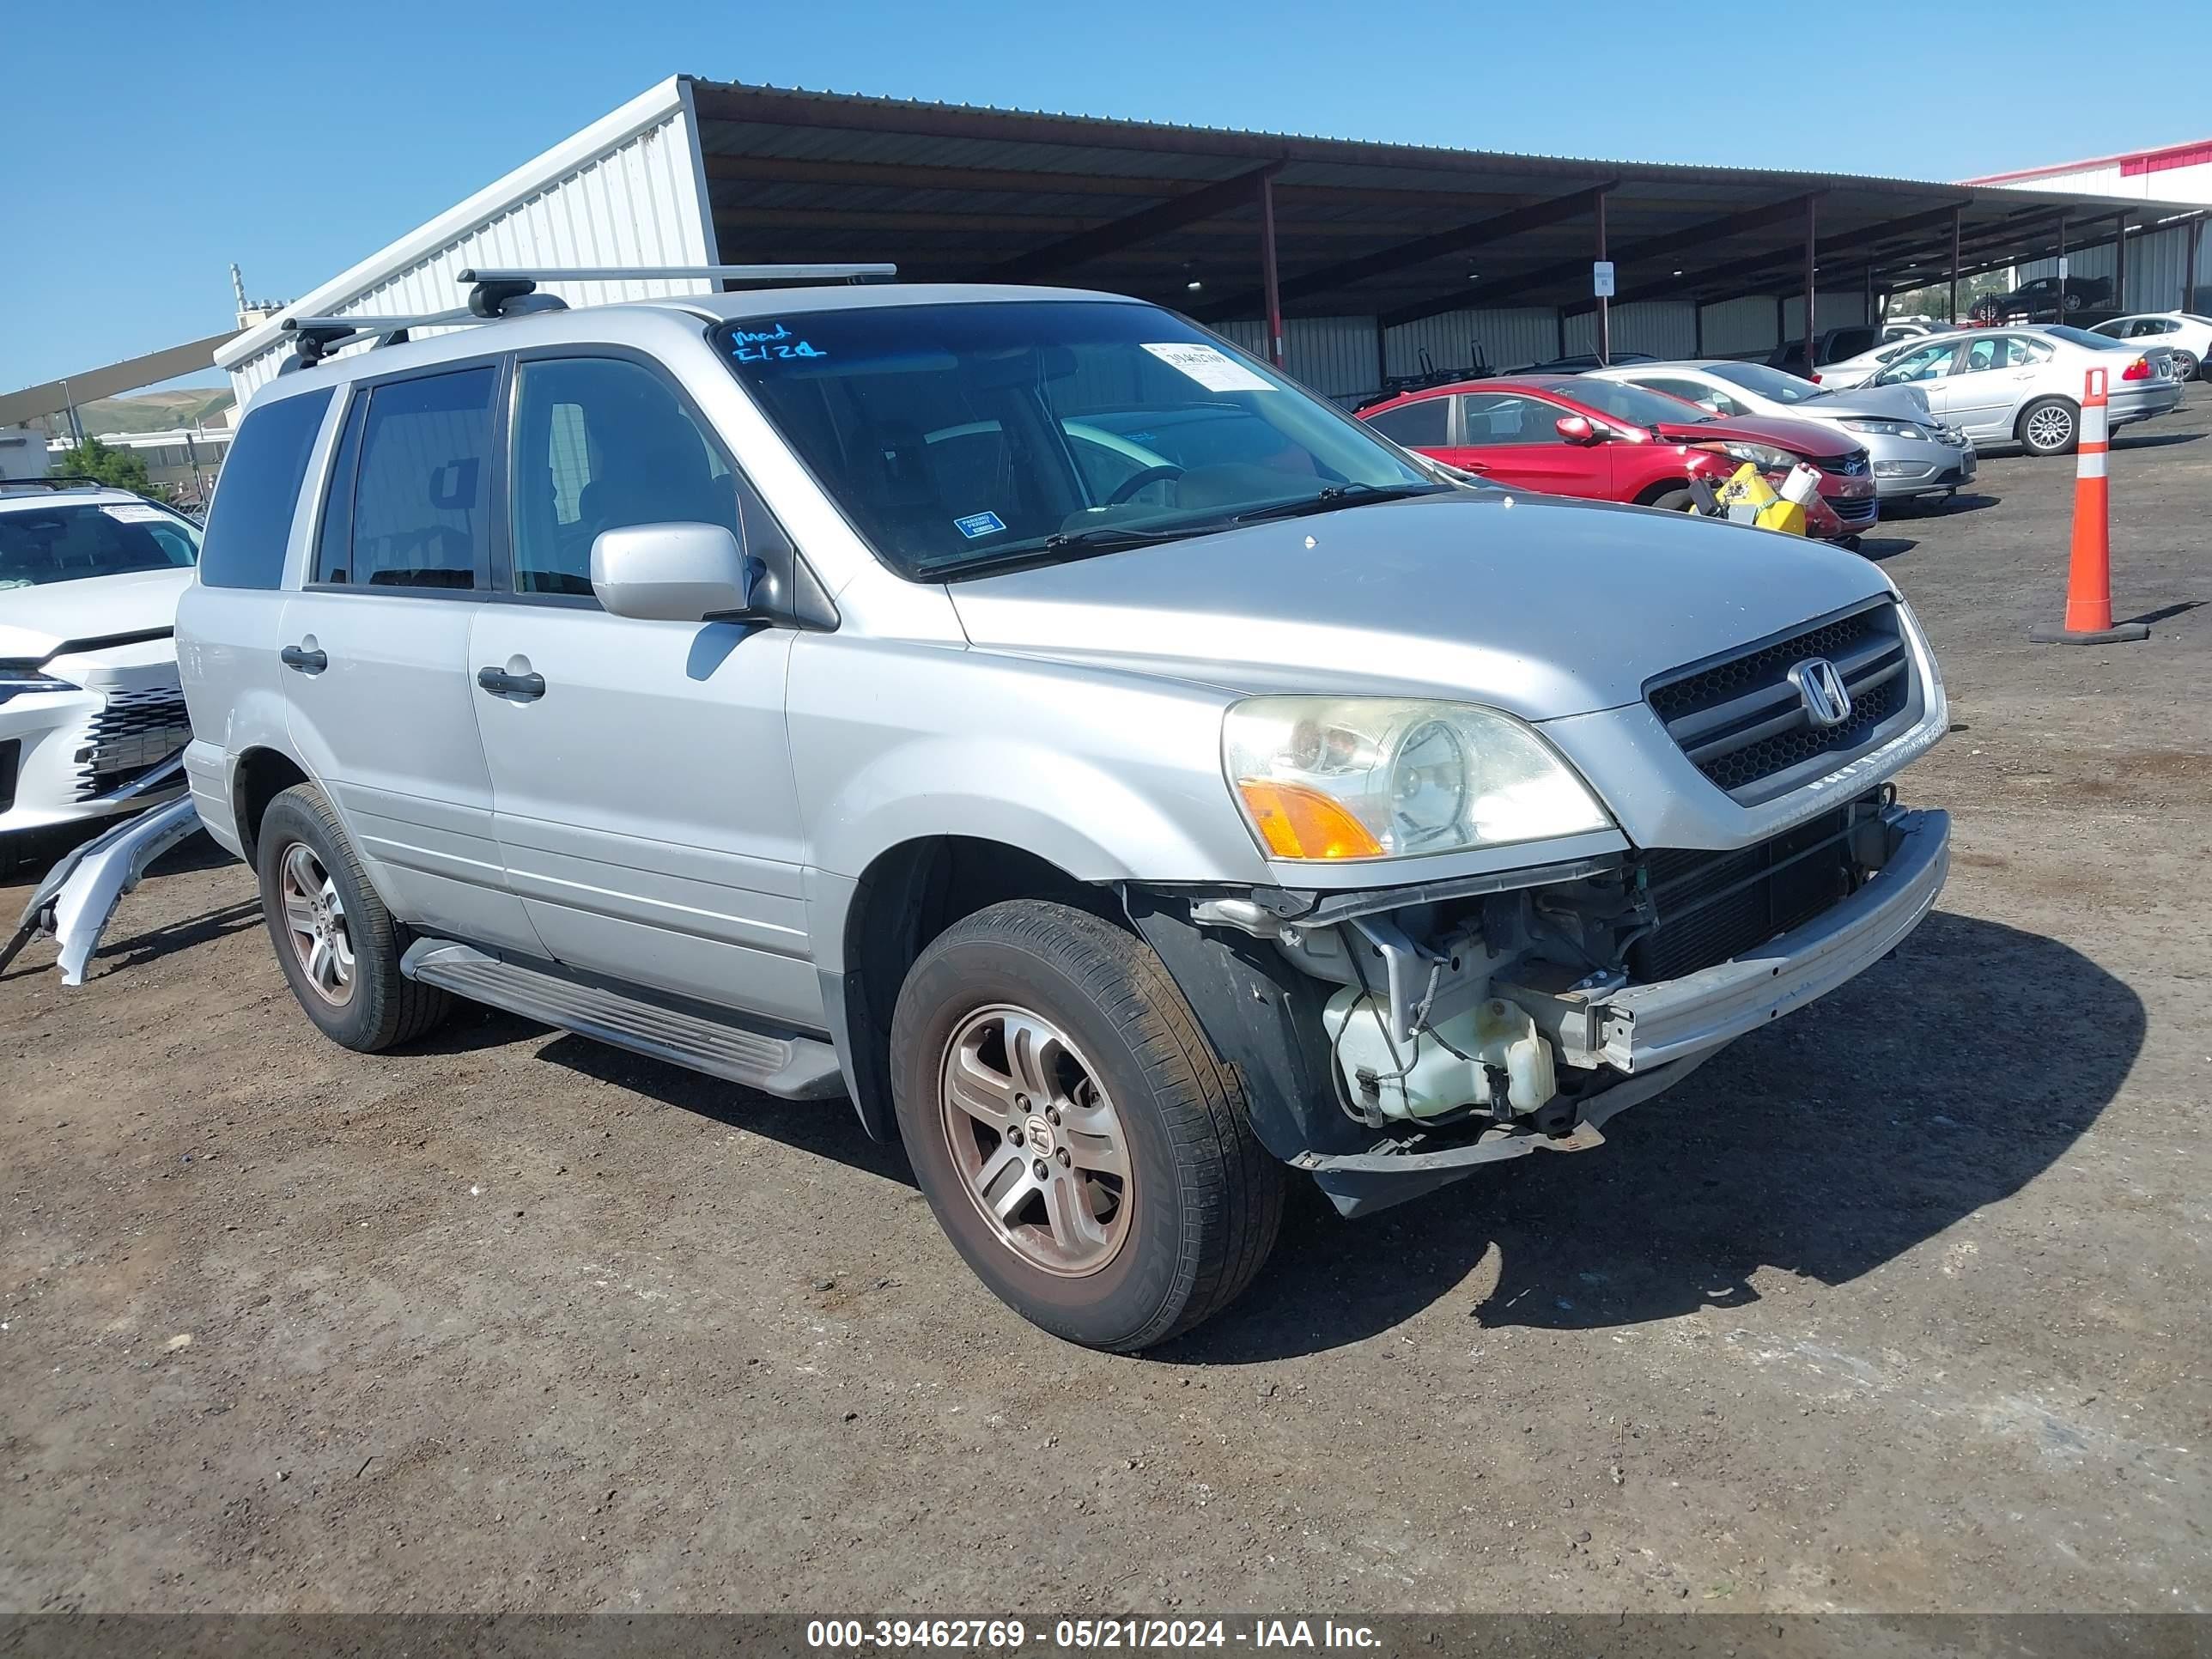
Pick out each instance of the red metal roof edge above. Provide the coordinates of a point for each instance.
(2150, 160)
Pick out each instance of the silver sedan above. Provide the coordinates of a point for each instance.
(2024, 385)
(1914, 453)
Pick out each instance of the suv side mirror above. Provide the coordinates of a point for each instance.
(670, 572)
(1576, 429)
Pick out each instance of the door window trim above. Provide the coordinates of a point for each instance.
(344, 472)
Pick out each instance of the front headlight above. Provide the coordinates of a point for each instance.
(1889, 429)
(1337, 778)
(23, 675)
(1765, 457)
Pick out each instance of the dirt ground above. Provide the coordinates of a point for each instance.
(1899, 1304)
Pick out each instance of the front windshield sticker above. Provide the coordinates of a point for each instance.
(1209, 368)
(979, 524)
(770, 345)
(134, 513)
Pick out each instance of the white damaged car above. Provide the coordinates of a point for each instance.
(91, 719)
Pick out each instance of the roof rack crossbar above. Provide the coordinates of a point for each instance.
(377, 325)
(820, 273)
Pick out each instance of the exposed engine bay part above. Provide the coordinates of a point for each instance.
(1490, 1059)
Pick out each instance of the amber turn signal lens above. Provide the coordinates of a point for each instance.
(1304, 824)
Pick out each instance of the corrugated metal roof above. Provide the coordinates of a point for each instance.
(949, 191)
(1394, 231)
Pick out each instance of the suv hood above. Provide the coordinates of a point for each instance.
(35, 621)
(1537, 605)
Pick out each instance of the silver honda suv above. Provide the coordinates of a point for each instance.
(1126, 778)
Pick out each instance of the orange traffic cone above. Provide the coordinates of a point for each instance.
(2089, 581)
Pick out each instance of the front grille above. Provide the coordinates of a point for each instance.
(1747, 727)
(134, 732)
(1713, 906)
(1853, 465)
(11, 757)
(1856, 510)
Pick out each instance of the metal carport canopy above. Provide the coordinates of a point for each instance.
(1398, 232)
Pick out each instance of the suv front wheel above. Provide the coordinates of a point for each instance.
(1082, 1146)
(337, 944)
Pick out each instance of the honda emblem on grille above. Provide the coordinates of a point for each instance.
(1821, 690)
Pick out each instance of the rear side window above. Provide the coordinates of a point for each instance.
(1422, 424)
(422, 496)
(250, 520)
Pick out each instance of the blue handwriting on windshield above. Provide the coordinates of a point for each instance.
(770, 345)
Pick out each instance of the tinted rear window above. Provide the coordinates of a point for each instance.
(252, 518)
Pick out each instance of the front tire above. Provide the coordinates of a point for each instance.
(337, 944)
(2049, 425)
(1080, 1142)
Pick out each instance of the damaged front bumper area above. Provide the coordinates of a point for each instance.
(1390, 1041)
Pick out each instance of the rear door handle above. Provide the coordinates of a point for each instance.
(523, 688)
(306, 661)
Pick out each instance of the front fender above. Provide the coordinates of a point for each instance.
(1110, 776)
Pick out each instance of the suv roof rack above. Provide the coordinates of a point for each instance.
(821, 273)
(494, 294)
(57, 481)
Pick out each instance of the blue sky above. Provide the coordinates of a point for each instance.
(149, 145)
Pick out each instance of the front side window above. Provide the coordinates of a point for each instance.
(63, 541)
(1636, 405)
(957, 438)
(1928, 363)
(1509, 418)
(1425, 424)
(422, 498)
(1695, 392)
(250, 520)
(602, 444)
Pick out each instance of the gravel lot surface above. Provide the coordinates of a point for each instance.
(1899, 1304)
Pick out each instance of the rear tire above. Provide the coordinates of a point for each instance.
(2049, 425)
(1036, 1050)
(2186, 366)
(337, 944)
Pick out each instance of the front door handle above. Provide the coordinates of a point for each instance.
(523, 688)
(305, 660)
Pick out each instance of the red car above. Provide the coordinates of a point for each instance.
(1568, 435)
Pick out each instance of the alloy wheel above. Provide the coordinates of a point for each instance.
(2051, 428)
(315, 923)
(1036, 1140)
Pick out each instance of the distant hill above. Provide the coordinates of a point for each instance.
(155, 411)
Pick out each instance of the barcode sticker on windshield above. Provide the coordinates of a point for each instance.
(1211, 370)
(133, 513)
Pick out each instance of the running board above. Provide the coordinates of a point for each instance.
(790, 1067)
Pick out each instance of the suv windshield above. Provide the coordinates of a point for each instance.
(962, 437)
(1769, 383)
(68, 541)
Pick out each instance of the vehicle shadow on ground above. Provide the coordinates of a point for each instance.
(1928, 513)
(139, 949)
(1824, 1146)
(1878, 548)
(823, 1128)
(2153, 440)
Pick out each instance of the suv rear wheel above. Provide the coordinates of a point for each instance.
(337, 944)
(1080, 1142)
